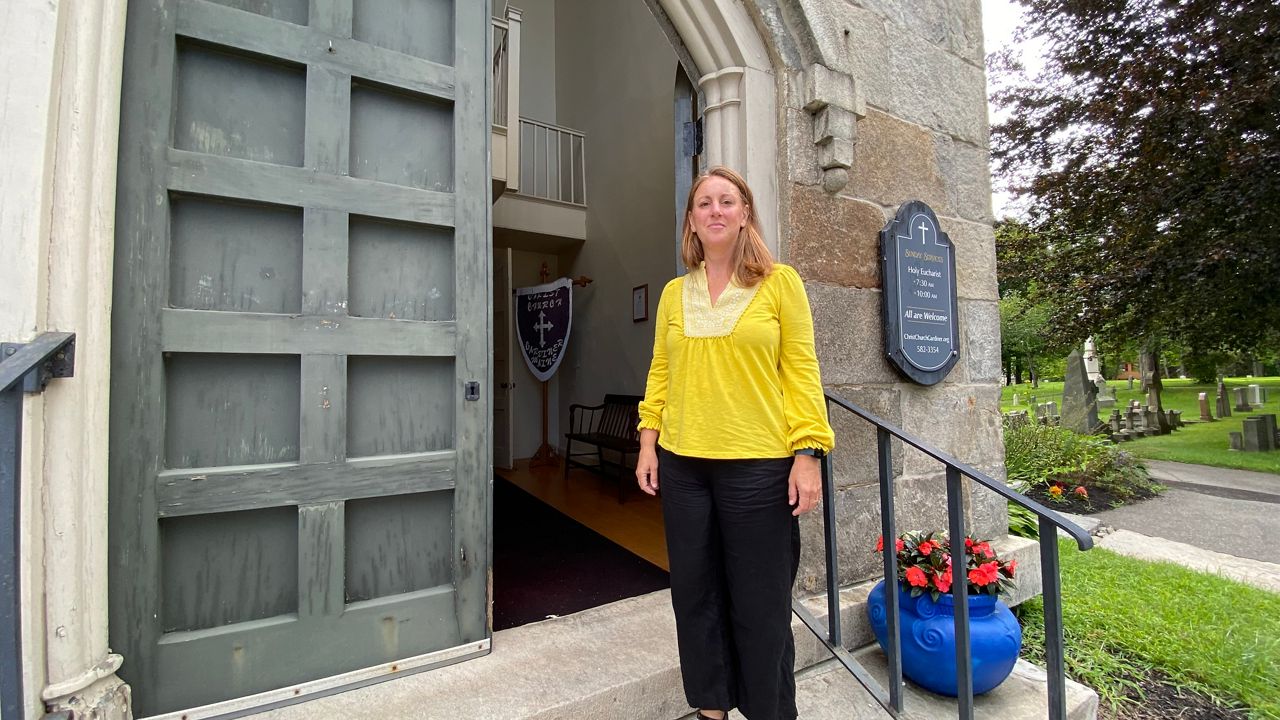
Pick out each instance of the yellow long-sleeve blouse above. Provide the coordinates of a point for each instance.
(738, 379)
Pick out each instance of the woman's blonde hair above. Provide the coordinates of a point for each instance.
(751, 259)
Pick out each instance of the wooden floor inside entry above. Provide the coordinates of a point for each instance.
(635, 523)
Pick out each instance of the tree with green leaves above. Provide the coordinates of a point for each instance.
(1147, 151)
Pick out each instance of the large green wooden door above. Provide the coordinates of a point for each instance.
(299, 476)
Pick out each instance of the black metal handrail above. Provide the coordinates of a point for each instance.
(1049, 523)
(24, 368)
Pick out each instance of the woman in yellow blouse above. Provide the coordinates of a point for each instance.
(733, 424)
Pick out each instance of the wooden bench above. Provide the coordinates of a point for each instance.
(609, 426)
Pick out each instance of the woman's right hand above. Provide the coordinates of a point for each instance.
(647, 462)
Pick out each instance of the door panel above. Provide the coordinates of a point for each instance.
(299, 489)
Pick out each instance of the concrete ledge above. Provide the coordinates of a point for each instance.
(1260, 574)
(1023, 695)
(615, 662)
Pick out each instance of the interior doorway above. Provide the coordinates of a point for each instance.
(602, 117)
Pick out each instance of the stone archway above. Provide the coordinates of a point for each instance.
(737, 80)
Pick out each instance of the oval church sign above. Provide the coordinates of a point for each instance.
(918, 267)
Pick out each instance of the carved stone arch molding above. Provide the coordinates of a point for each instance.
(739, 47)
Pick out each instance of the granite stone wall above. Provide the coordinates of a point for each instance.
(883, 102)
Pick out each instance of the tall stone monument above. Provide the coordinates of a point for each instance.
(1091, 364)
(1079, 397)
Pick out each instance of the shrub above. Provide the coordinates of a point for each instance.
(1040, 456)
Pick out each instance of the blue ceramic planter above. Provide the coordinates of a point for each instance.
(929, 639)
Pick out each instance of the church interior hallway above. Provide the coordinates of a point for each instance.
(592, 500)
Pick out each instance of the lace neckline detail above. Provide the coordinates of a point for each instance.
(701, 318)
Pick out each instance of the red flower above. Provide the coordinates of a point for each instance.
(1013, 565)
(1056, 491)
(943, 580)
(968, 542)
(983, 549)
(880, 544)
(985, 574)
(925, 547)
(900, 544)
(916, 577)
(1081, 492)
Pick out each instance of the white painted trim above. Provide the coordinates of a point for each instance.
(288, 695)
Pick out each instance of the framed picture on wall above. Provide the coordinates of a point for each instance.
(640, 303)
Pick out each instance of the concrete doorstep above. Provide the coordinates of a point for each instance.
(619, 662)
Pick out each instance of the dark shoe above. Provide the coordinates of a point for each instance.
(700, 716)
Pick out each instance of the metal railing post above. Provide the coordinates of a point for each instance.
(889, 533)
(1051, 589)
(960, 592)
(833, 557)
(11, 703)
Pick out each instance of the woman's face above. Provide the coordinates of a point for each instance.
(718, 214)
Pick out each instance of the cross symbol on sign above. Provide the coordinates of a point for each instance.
(924, 233)
(542, 327)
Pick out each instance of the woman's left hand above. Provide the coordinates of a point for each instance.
(804, 486)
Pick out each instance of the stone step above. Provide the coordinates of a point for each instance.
(619, 662)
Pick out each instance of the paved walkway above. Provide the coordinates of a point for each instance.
(1211, 519)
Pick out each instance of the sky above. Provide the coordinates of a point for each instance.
(999, 20)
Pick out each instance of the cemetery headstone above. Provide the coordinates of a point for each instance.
(1091, 361)
(1224, 404)
(1255, 435)
(1151, 424)
(1206, 417)
(1016, 419)
(1237, 440)
(1106, 397)
(1242, 402)
(1255, 394)
(1131, 383)
(1079, 397)
(1268, 439)
(1017, 399)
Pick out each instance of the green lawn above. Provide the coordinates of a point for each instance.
(1122, 617)
(1199, 443)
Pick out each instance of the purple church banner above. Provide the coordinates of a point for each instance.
(543, 316)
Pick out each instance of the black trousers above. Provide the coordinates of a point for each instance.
(734, 549)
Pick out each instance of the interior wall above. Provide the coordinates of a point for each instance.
(526, 397)
(537, 59)
(618, 88)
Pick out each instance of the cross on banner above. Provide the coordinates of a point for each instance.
(542, 327)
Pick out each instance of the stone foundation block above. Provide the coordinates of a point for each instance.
(962, 420)
(856, 460)
(834, 240)
(980, 341)
(966, 177)
(935, 88)
(975, 250)
(895, 161)
(849, 336)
